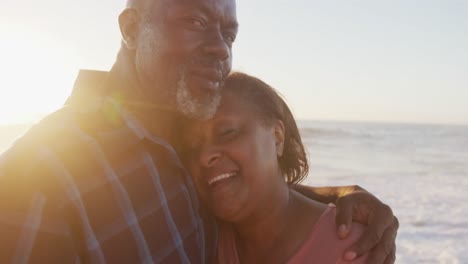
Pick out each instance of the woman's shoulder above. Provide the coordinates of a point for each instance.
(323, 244)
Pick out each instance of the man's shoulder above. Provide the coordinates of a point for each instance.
(62, 141)
(52, 127)
(57, 131)
(21, 165)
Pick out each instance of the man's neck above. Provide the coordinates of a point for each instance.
(124, 86)
(158, 122)
(123, 80)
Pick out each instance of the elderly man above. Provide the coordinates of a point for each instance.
(99, 181)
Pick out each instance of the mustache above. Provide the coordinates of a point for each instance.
(213, 64)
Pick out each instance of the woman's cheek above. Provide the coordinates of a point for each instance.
(197, 179)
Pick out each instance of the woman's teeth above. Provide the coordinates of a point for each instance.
(221, 177)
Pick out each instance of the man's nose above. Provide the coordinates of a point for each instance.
(217, 46)
(209, 156)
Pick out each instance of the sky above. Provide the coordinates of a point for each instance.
(388, 61)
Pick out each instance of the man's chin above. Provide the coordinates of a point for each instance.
(202, 84)
(196, 109)
(195, 100)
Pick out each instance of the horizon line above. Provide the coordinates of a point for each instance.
(33, 121)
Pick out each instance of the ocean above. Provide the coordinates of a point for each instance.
(421, 171)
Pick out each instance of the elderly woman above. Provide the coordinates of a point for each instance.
(244, 162)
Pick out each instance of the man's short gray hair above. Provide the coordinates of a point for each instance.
(135, 3)
(141, 5)
(138, 4)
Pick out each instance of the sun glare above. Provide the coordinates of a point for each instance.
(37, 74)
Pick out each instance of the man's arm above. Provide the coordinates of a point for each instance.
(353, 203)
(328, 194)
(32, 228)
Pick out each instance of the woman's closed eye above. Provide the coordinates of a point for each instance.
(228, 134)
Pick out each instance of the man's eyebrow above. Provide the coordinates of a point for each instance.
(229, 22)
(232, 24)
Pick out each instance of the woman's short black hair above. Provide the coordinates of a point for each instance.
(270, 106)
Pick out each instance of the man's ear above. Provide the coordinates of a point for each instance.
(129, 21)
(279, 131)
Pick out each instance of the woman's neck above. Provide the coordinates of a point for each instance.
(274, 232)
(270, 217)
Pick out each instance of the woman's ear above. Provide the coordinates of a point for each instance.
(129, 26)
(279, 131)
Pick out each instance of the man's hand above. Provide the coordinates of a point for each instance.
(356, 204)
(353, 203)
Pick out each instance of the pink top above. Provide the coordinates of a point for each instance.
(322, 245)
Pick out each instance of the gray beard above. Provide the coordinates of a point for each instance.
(193, 107)
(179, 94)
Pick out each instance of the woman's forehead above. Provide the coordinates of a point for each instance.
(232, 101)
(232, 107)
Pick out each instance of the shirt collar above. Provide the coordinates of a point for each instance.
(89, 94)
(89, 84)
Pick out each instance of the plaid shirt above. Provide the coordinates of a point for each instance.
(94, 186)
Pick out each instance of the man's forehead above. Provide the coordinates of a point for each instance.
(225, 9)
(136, 3)
(144, 3)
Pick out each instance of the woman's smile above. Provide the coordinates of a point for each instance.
(217, 179)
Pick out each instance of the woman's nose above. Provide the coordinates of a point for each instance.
(209, 156)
